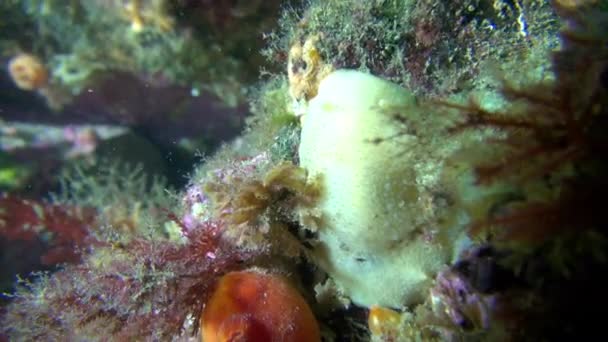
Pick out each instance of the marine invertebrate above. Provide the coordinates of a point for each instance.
(473, 299)
(256, 306)
(251, 204)
(374, 219)
(457, 302)
(28, 72)
(305, 69)
(383, 323)
(147, 12)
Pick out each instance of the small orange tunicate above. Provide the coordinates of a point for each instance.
(254, 306)
(382, 321)
(28, 72)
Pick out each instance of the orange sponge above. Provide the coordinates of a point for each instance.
(254, 306)
(28, 72)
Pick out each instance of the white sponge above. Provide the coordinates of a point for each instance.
(369, 242)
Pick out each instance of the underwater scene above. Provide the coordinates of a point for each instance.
(303, 170)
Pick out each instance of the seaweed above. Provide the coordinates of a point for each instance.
(548, 139)
(144, 289)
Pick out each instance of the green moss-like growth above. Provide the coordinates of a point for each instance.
(82, 41)
(273, 125)
(128, 201)
(13, 175)
(431, 47)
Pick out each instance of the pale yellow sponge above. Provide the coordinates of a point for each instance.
(370, 239)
